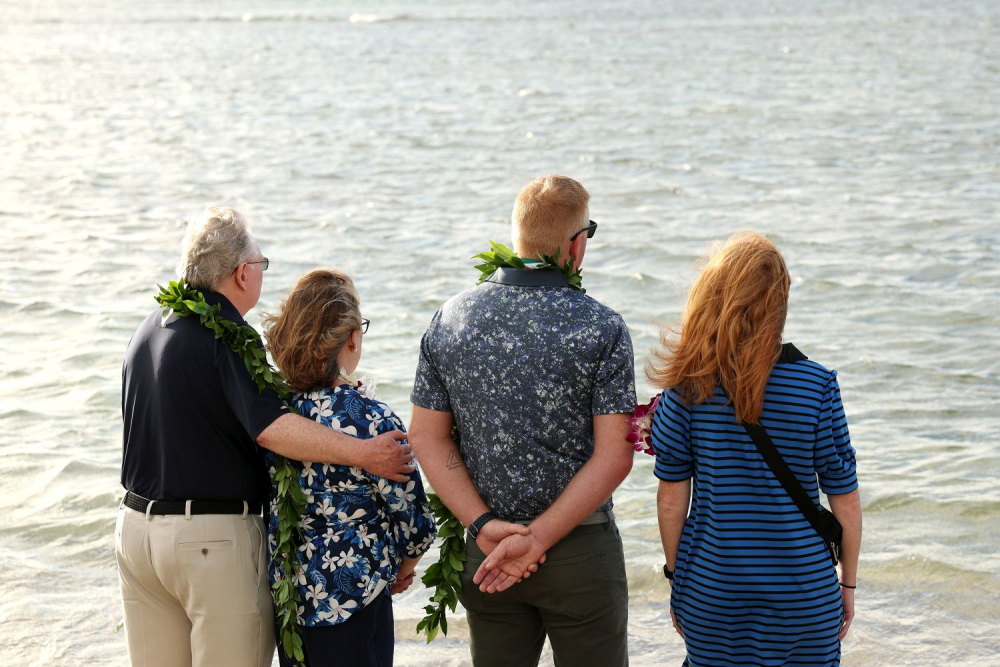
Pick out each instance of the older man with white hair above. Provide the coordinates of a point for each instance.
(190, 540)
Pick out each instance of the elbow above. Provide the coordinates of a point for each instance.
(666, 506)
(417, 440)
(625, 465)
(265, 440)
(271, 437)
(846, 507)
(614, 465)
(672, 499)
(271, 444)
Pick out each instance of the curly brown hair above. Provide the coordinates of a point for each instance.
(311, 328)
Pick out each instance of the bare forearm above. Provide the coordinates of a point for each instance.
(296, 437)
(430, 435)
(407, 566)
(587, 491)
(442, 465)
(672, 499)
(302, 439)
(847, 508)
(592, 485)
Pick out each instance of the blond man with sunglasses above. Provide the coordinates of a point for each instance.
(538, 377)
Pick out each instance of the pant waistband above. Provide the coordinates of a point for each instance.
(598, 517)
(188, 507)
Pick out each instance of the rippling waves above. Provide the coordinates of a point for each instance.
(863, 138)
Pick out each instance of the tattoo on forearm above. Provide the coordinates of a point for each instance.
(454, 461)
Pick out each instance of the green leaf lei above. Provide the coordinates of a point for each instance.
(444, 576)
(501, 255)
(291, 501)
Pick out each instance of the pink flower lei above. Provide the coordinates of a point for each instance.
(641, 422)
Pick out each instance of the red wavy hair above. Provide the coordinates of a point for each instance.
(730, 334)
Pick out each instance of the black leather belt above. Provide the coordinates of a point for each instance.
(161, 507)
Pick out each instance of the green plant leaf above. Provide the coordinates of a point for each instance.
(502, 256)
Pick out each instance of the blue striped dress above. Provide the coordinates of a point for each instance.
(753, 583)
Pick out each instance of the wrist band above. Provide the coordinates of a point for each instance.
(478, 524)
(846, 586)
(668, 573)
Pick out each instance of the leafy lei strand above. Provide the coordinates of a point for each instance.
(291, 501)
(502, 256)
(445, 575)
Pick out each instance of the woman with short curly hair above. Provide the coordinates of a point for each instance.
(363, 534)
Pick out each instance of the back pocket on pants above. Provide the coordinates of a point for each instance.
(580, 586)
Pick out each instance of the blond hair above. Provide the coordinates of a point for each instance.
(730, 334)
(215, 246)
(312, 326)
(547, 212)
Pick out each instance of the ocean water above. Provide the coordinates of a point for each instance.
(390, 140)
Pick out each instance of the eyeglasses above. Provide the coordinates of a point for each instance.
(364, 325)
(263, 263)
(591, 229)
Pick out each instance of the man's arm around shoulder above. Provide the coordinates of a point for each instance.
(296, 437)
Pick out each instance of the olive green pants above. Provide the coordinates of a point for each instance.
(578, 598)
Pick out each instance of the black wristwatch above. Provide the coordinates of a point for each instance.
(478, 524)
(667, 572)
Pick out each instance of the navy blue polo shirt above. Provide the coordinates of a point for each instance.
(192, 413)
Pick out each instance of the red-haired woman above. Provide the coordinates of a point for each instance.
(753, 582)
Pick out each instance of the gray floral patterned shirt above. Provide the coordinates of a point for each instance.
(524, 363)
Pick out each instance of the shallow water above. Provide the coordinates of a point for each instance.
(863, 138)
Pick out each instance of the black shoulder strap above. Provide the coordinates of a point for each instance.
(787, 478)
(814, 515)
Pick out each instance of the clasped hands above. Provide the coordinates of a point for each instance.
(512, 555)
(402, 583)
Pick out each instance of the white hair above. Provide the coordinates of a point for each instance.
(214, 247)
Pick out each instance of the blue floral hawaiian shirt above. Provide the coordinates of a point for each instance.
(358, 527)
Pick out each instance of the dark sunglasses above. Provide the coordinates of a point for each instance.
(364, 325)
(591, 229)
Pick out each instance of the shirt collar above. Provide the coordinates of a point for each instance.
(228, 309)
(528, 277)
(790, 354)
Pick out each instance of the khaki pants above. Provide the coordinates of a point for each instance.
(195, 590)
(578, 598)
